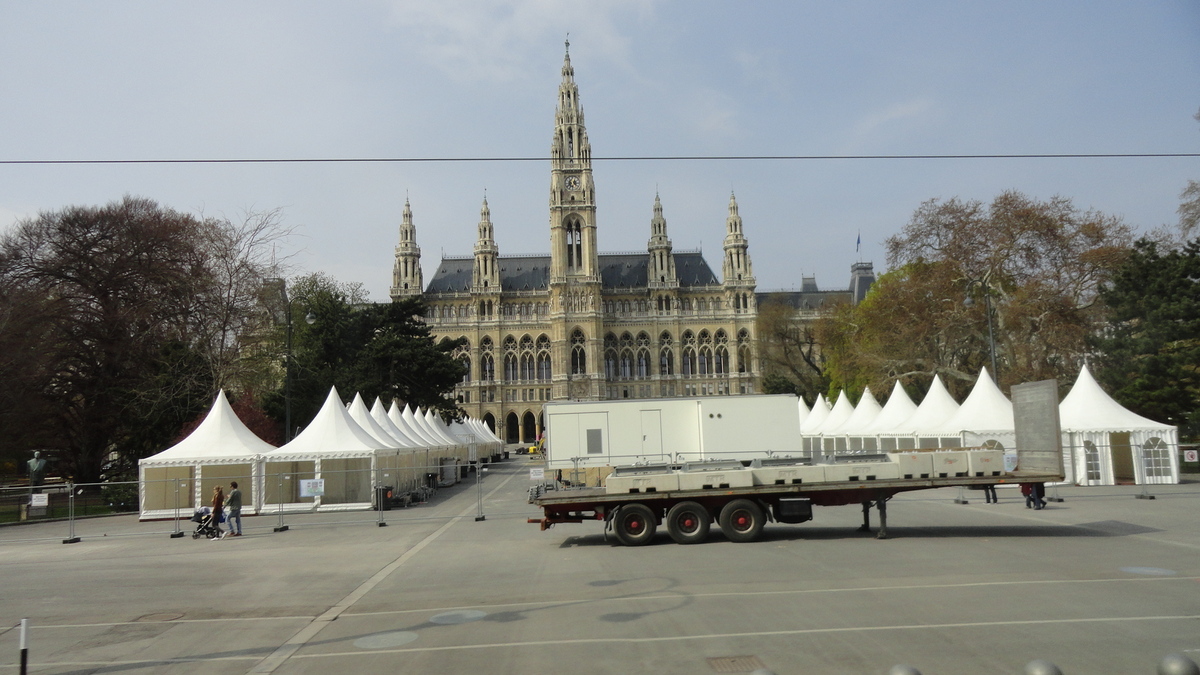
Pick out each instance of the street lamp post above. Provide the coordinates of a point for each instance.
(286, 318)
(987, 304)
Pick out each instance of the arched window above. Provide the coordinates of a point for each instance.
(462, 354)
(610, 357)
(743, 350)
(1091, 457)
(578, 353)
(688, 355)
(574, 232)
(543, 358)
(487, 362)
(626, 364)
(1157, 457)
(704, 354)
(721, 353)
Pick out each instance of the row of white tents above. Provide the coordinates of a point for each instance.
(1103, 443)
(334, 464)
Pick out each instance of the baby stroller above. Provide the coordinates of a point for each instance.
(205, 527)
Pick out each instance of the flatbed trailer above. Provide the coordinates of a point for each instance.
(741, 513)
(687, 499)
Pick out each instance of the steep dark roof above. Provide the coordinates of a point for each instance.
(629, 270)
(532, 273)
(803, 299)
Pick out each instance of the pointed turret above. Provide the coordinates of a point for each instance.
(486, 275)
(406, 275)
(662, 263)
(737, 268)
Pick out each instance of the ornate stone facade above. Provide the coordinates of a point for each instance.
(583, 325)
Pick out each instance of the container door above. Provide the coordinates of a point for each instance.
(652, 434)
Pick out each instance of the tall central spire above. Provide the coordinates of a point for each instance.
(572, 192)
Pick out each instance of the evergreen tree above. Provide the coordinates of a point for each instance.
(1150, 346)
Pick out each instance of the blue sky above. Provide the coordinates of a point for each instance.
(445, 78)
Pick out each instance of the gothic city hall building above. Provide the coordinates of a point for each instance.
(579, 324)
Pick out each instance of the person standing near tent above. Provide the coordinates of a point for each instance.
(989, 494)
(235, 510)
(218, 505)
(1039, 496)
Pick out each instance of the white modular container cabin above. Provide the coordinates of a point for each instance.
(582, 434)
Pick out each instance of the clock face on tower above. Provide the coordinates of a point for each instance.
(572, 182)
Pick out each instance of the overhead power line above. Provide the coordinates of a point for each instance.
(661, 158)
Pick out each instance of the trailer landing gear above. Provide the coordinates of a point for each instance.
(881, 504)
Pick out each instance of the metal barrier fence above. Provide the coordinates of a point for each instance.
(306, 496)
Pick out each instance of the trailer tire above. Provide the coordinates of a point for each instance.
(688, 522)
(742, 520)
(634, 525)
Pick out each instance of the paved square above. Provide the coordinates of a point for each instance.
(1101, 583)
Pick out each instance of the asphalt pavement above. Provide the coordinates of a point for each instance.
(1101, 582)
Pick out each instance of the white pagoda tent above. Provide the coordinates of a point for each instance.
(921, 429)
(985, 418)
(220, 450)
(899, 407)
(327, 467)
(1105, 443)
(810, 427)
(848, 436)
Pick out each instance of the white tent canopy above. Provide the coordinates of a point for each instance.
(986, 415)
(841, 411)
(920, 430)
(359, 413)
(331, 432)
(1104, 443)
(411, 424)
(848, 435)
(899, 408)
(220, 437)
(801, 411)
(379, 414)
(816, 416)
(220, 449)
(335, 452)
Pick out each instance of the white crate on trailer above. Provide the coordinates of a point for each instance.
(608, 433)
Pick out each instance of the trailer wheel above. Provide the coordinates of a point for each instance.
(634, 525)
(742, 520)
(687, 523)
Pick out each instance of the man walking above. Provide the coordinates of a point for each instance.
(234, 505)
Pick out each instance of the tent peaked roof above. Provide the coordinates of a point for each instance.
(986, 409)
(1088, 408)
(220, 436)
(381, 416)
(359, 413)
(935, 410)
(416, 424)
(801, 411)
(816, 417)
(437, 426)
(864, 413)
(405, 426)
(331, 432)
(899, 407)
(842, 410)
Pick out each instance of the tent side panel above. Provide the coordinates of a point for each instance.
(212, 475)
(347, 481)
(281, 483)
(158, 486)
